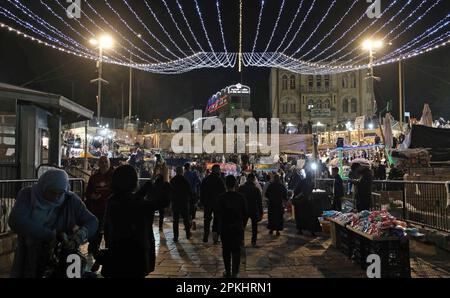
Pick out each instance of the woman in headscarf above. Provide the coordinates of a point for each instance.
(277, 195)
(42, 212)
(129, 218)
(305, 216)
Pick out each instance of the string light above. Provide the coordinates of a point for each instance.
(71, 37)
(240, 36)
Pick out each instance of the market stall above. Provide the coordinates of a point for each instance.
(359, 235)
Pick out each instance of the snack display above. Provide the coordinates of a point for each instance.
(374, 223)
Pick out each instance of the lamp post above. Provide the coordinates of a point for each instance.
(130, 94)
(104, 42)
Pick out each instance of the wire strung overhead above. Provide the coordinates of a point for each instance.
(177, 36)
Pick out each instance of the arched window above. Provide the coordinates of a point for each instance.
(354, 105)
(344, 81)
(345, 106)
(327, 104)
(319, 104)
(293, 106)
(292, 82)
(352, 80)
(284, 82)
(319, 81)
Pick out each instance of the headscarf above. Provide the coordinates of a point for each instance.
(44, 210)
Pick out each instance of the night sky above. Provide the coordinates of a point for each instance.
(23, 62)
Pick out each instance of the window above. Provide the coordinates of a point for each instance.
(284, 82)
(327, 81)
(345, 106)
(310, 104)
(310, 81)
(7, 132)
(293, 107)
(344, 81)
(319, 104)
(292, 82)
(352, 80)
(326, 104)
(354, 105)
(319, 81)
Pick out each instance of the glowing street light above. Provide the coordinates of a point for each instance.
(371, 45)
(104, 42)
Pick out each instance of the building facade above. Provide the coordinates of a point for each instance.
(326, 102)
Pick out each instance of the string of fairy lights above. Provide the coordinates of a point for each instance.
(177, 36)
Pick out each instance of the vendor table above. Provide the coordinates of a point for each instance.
(393, 251)
(321, 201)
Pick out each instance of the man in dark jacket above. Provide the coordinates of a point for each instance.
(232, 208)
(338, 191)
(180, 202)
(212, 186)
(254, 205)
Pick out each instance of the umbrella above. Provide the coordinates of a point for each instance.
(427, 117)
(387, 131)
(362, 161)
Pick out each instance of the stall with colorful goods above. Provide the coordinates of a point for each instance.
(359, 235)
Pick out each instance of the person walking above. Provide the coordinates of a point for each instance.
(98, 191)
(194, 183)
(254, 204)
(180, 203)
(129, 218)
(212, 186)
(277, 194)
(232, 207)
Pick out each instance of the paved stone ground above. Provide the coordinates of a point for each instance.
(288, 255)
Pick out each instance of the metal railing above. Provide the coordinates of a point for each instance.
(419, 202)
(10, 188)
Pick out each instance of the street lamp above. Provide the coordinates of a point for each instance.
(104, 42)
(371, 45)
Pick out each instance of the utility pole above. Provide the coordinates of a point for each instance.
(400, 93)
(130, 94)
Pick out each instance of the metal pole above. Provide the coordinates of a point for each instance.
(400, 93)
(100, 71)
(86, 145)
(130, 95)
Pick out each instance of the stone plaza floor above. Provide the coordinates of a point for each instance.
(287, 256)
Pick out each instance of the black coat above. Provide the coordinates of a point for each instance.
(212, 186)
(338, 187)
(305, 215)
(131, 243)
(295, 179)
(276, 193)
(363, 190)
(232, 210)
(254, 200)
(181, 192)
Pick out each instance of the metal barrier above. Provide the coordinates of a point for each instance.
(10, 188)
(419, 202)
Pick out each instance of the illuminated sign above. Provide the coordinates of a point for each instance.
(238, 89)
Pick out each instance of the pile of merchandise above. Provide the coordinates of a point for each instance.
(342, 218)
(378, 223)
(374, 223)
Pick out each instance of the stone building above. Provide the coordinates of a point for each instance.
(328, 102)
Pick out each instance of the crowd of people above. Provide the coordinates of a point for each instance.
(120, 211)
